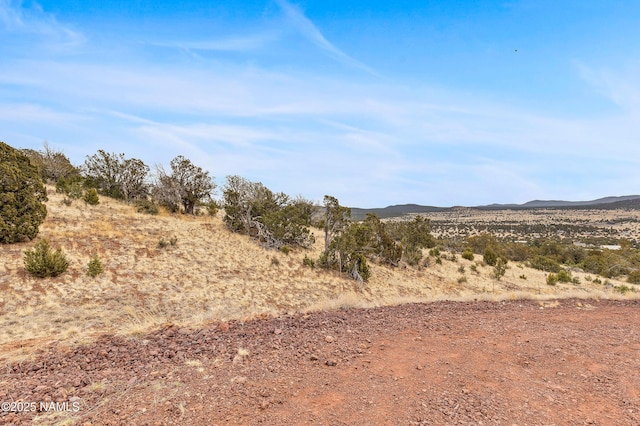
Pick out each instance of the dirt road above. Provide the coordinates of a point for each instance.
(503, 363)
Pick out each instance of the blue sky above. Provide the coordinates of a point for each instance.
(377, 103)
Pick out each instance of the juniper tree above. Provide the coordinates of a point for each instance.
(274, 219)
(42, 261)
(115, 176)
(336, 218)
(22, 196)
(186, 185)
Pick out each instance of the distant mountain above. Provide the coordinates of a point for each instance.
(633, 203)
(627, 201)
(544, 204)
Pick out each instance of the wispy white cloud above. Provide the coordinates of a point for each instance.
(307, 28)
(18, 18)
(228, 44)
(301, 132)
(621, 86)
(30, 113)
(11, 16)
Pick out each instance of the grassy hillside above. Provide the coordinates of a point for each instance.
(209, 274)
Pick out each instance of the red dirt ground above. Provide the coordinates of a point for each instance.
(501, 363)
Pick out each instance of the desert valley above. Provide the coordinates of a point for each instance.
(190, 281)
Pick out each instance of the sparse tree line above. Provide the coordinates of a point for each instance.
(275, 220)
(183, 188)
(349, 245)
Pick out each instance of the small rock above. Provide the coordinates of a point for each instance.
(331, 363)
(277, 331)
(313, 358)
(329, 339)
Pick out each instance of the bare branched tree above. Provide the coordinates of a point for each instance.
(52, 163)
(272, 218)
(117, 177)
(187, 185)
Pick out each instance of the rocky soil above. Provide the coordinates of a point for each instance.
(570, 362)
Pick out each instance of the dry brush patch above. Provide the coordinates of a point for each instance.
(208, 274)
(577, 224)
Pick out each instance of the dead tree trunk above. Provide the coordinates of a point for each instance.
(355, 274)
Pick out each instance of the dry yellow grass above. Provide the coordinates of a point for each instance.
(210, 274)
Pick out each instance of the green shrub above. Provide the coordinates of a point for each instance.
(634, 277)
(461, 269)
(164, 243)
(307, 261)
(623, 289)
(462, 280)
(573, 255)
(415, 233)
(523, 277)
(479, 243)
(285, 249)
(516, 252)
(91, 197)
(552, 279)
(564, 276)
(146, 206)
(474, 268)
(500, 268)
(434, 252)
(363, 268)
(544, 263)
(467, 254)
(43, 262)
(608, 263)
(212, 208)
(95, 267)
(72, 187)
(490, 257)
(22, 197)
(412, 255)
(75, 191)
